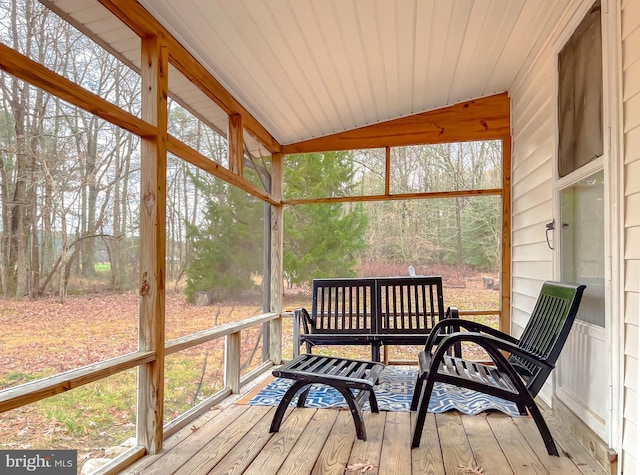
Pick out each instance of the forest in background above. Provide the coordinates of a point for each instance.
(69, 218)
(70, 187)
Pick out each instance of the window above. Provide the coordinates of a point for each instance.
(580, 95)
(583, 243)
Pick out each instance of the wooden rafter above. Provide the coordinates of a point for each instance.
(486, 118)
(22, 67)
(194, 157)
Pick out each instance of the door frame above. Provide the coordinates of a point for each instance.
(584, 330)
(610, 163)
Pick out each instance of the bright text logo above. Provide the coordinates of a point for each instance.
(49, 462)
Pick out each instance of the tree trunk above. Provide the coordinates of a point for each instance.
(115, 248)
(62, 284)
(17, 247)
(35, 259)
(90, 199)
(459, 231)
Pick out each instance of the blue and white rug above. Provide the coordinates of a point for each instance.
(394, 394)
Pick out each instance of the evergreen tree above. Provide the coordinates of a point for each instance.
(481, 233)
(227, 246)
(321, 240)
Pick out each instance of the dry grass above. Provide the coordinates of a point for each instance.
(44, 337)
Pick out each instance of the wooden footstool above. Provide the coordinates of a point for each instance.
(353, 378)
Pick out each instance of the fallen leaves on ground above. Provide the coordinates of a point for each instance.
(46, 337)
(361, 467)
(470, 469)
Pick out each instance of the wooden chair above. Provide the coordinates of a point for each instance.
(518, 377)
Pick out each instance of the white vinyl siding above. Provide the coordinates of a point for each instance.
(532, 186)
(630, 22)
(533, 127)
(533, 124)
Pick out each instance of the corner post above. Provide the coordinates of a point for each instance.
(505, 261)
(277, 277)
(152, 244)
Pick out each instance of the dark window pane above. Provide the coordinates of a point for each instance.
(580, 95)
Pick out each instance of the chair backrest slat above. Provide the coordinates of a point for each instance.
(547, 330)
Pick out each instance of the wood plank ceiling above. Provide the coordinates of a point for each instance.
(310, 68)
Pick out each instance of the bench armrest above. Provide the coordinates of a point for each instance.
(302, 319)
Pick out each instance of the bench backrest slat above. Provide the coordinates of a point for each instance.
(342, 305)
(409, 304)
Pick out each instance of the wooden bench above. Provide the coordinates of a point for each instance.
(371, 311)
(354, 379)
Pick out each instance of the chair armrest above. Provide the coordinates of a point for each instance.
(456, 323)
(493, 345)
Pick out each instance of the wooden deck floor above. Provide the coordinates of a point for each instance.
(236, 439)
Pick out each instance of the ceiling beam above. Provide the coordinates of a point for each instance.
(487, 118)
(395, 197)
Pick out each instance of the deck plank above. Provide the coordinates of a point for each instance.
(139, 466)
(335, 453)
(529, 430)
(281, 443)
(395, 456)
(236, 440)
(427, 459)
(486, 450)
(519, 453)
(190, 446)
(214, 451)
(571, 447)
(303, 455)
(456, 451)
(239, 457)
(367, 452)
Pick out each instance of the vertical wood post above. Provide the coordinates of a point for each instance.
(277, 277)
(387, 170)
(236, 144)
(505, 271)
(275, 340)
(152, 244)
(232, 362)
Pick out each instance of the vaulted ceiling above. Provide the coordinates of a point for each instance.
(306, 68)
(311, 68)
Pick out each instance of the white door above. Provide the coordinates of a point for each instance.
(583, 379)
